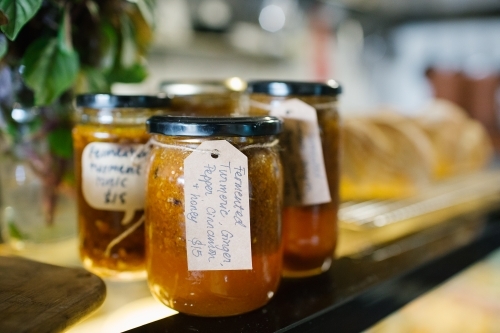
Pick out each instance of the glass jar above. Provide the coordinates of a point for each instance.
(36, 177)
(213, 292)
(109, 151)
(204, 97)
(309, 231)
(37, 186)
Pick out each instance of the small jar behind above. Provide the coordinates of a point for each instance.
(110, 166)
(213, 213)
(204, 97)
(311, 129)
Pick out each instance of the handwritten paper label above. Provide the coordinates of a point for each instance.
(114, 177)
(305, 175)
(216, 208)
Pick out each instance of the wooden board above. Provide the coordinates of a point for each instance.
(37, 297)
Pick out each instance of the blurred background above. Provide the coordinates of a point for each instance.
(394, 53)
(396, 56)
(387, 54)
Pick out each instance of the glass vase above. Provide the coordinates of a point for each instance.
(36, 167)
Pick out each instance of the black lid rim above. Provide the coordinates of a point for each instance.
(102, 101)
(287, 88)
(214, 126)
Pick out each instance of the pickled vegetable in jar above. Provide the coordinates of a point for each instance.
(205, 97)
(213, 213)
(110, 171)
(310, 142)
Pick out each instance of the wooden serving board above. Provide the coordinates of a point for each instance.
(42, 298)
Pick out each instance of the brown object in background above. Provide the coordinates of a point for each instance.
(476, 95)
(447, 84)
(39, 298)
(480, 100)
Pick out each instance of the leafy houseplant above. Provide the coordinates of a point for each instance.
(50, 50)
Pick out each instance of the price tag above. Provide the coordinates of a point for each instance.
(216, 206)
(114, 177)
(305, 176)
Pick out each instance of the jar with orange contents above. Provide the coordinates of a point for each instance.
(309, 220)
(110, 158)
(205, 97)
(213, 240)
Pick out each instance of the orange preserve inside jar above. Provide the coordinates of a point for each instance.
(204, 97)
(309, 231)
(214, 291)
(110, 168)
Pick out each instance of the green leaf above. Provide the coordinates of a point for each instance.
(51, 65)
(64, 34)
(3, 19)
(49, 70)
(10, 220)
(95, 80)
(3, 46)
(109, 47)
(14, 231)
(134, 74)
(18, 12)
(147, 8)
(128, 67)
(12, 131)
(60, 142)
(129, 51)
(93, 8)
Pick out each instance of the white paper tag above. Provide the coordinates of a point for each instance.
(112, 180)
(305, 176)
(216, 208)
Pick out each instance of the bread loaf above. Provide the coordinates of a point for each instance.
(390, 156)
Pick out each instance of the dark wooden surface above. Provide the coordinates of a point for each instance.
(358, 291)
(37, 297)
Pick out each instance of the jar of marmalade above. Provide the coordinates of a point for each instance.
(213, 213)
(309, 226)
(110, 170)
(204, 97)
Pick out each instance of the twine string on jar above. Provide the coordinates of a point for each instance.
(123, 235)
(275, 104)
(153, 142)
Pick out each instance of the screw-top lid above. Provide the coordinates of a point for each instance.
(103, 101)
(214, 126)
(286, 88)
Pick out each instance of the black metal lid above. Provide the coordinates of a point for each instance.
(102, 101)
(286, 88)
(214, 126)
